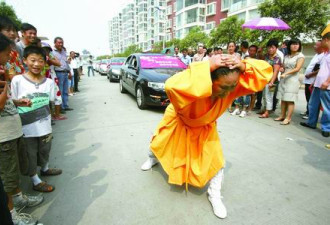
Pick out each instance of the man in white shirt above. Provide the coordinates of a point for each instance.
(311, 72)
(75, 66)
(177, 53)
(185, 58)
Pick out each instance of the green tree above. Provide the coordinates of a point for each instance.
(129, 50)
(103, 57)
(158, 46)
(193, 38)
(303, 16)
(229, 30)
(7, 10)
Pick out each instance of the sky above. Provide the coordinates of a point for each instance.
(83, 24)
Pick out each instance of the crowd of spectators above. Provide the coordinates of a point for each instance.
(287, 61)
(36, 81)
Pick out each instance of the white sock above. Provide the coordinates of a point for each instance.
(36, 180)
(45, 168)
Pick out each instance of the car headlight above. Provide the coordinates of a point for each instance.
(115, 71)
(156, 86)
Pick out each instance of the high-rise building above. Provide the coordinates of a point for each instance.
(146, 22)
(128, 25)
(115, 30)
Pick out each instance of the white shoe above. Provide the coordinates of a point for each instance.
(243, 114)
(23, 218)
(22, 200)
(219, 208)
(147, 165)
(235, 112)
(305, 117)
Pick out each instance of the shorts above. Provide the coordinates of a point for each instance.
(9, 164)
(38, 149)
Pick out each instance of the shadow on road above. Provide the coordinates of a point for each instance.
(75, 189)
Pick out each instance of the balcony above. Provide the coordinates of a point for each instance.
(243, 4)
(238, 6)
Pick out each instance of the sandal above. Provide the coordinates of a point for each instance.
(261, 112)
(263, 116)
(285, 122)
(43, 187)
(51, 172)
(279, 119)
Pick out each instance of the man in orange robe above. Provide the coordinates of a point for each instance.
(186, 141)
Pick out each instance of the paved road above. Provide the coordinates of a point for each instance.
(268, 179)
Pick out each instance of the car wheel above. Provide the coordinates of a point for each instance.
(121, 87)
(110, 77)
(140, 98)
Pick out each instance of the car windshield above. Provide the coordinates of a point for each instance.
(168, 71)
(118, 60)
(161, 62)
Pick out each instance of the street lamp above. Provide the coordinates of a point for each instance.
(163, 11)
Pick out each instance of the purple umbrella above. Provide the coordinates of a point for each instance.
(266, 23)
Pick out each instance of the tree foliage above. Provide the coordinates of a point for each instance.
(229, 30)
(103, 57)
(303, 16)
(158, 46)
(8, 11)
(129, 50)
(194, 37)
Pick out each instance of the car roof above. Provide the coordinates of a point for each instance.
(148, 54)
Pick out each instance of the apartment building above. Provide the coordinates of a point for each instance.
(146, 22)
(128, 25)
(115, 32)
(243, 9)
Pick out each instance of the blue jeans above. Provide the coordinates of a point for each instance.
(90, 68)
(319, 97)
(63, 85)
(243, 100)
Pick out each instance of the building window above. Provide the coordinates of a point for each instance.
(169, 10)
(191, 16)
(210, 26)
(168, 36)
(179, 5)
(225, 4)
(193, 2)
(211, 9)
(169, 23)
(174, 7)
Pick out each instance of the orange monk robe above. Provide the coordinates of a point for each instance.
(186, 141)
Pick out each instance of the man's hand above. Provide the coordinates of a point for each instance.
(230, 61)
(70, 76)
(23, 102)
(324, 85)
(216, 62)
